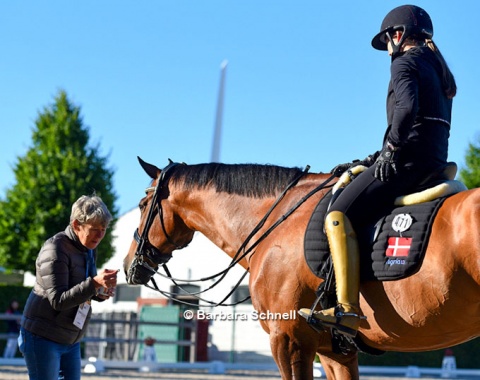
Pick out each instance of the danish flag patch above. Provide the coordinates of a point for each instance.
(398, 246)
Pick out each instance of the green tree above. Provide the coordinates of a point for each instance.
(53, 174)
(470, 175)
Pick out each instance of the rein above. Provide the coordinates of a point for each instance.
(239, 255)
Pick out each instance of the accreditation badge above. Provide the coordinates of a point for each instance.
(81, 315)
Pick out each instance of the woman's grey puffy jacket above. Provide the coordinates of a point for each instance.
(60, 287)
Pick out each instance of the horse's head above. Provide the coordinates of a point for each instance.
(161, 230)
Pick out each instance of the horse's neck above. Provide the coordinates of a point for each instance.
(225, 219)
(228, 219)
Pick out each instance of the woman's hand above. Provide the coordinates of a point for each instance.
(105, 282)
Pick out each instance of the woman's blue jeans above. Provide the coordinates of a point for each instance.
(48, 360)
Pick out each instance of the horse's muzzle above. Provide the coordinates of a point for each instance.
(139, 272)
(146, 261)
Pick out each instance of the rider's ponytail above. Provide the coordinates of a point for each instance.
(448, 80)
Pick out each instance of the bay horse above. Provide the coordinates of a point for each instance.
(437, 307)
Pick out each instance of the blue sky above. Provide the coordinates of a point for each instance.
(303, 84)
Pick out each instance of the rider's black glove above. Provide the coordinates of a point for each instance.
(368, 161)
(340, 169)
(387, 163)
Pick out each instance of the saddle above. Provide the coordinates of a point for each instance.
(394, 246)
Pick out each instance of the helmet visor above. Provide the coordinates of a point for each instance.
(380, 41)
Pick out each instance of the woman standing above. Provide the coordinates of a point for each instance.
(58, 309)
(13, 328)
(419, 107)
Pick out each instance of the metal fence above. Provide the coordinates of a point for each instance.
(114, 336)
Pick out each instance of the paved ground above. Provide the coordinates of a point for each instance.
(20, 373)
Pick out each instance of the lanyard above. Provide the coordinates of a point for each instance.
(90, 269)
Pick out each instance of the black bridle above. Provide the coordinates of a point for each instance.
(142, 270)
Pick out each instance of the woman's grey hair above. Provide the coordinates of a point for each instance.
(90, 209)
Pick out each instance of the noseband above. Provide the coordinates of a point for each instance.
(147, 257)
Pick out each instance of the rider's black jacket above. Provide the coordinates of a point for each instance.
(418, 111)
(418, 114)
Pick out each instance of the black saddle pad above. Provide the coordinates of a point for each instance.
(391, 249)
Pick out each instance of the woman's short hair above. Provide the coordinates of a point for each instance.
(90, 209)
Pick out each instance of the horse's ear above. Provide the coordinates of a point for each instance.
(150, 169)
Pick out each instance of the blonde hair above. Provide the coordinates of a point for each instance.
(90, 209)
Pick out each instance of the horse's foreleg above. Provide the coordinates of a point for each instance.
(340, 367)
(294, 358)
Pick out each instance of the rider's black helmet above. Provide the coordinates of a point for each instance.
(409, 19)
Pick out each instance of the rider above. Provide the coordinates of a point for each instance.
(419, 104)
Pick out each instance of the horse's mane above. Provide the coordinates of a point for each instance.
(253, 180)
